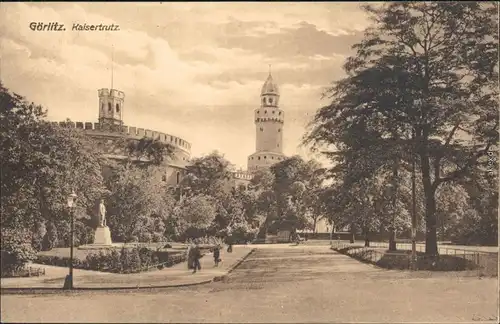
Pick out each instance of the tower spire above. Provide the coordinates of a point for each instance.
(112, 64)
(269, 69)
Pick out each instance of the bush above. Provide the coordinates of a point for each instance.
(124, 261)
(16, 251)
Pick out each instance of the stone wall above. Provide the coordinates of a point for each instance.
(133, 132)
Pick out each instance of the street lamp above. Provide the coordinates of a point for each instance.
(68, 281)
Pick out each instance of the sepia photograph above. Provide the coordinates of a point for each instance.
(249, 162)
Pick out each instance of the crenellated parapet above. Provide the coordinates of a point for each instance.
(111, 93)
(131, 132)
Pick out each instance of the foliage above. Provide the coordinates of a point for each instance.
(207, 175)
(198, 212)
(150, 149)
(287, 194)
(138, 205)
(16, 250)
(42, 163)
(423, 85)
(125, 261)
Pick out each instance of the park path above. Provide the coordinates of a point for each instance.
(280, 283)
(177, 275)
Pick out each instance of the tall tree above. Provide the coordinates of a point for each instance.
(208, 175)
(42, 163)
(423, 84)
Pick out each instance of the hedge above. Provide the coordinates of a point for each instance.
(116, 261)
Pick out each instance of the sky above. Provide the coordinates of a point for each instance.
(193, 70)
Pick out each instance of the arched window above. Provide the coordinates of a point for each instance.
(117, 108)
(273, 111)
(279, 130)
(178, 177)
(261, 129)
(265, 111)
(258, 158)
(279, 113)
(270, 100)
(110, 108)
(264, 157)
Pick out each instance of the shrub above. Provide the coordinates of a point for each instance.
(16, 250)
(124, 261)
(157, 237)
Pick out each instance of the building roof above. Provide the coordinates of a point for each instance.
(270, 87)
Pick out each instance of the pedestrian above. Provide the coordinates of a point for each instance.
(217, 255)
(190, 255)
(196, 257)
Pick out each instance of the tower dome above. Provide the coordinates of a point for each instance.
(270, 87)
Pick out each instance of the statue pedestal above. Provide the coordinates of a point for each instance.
(102, 236)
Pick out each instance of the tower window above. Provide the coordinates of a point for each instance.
(258, 158)
(265, 111)
(264, 157)
(279, 113)
(110, 109)
(258, 112)
(273, 111)
(117, 108)
(278, 145)
(279, 130)
(264, 100)
(270, 100)
(261, 129)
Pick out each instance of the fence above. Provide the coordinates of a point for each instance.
(486, 263)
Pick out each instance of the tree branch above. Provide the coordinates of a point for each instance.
(437, 160)
(463, 170)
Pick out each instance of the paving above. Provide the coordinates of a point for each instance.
(178, 275)
(277, 284)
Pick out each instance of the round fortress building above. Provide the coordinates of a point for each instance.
(110, 133)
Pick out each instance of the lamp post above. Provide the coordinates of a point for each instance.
(68, 281)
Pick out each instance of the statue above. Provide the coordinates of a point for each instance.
(102, 214)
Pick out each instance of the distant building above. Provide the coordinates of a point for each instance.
(269, 121)
(112, 135)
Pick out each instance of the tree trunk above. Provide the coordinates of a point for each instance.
(392, 235)
(430, 202)
(392, 239)
(430, 224)
(367, 239)
(353, 233)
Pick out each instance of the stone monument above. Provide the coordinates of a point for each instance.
(102, 233)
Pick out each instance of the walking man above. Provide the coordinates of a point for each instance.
(196, 257)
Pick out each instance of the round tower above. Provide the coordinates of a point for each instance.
(111, 107)
(269, 121)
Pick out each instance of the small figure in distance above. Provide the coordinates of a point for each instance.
(217, 255)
